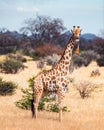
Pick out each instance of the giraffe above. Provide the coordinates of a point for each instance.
(57, 79)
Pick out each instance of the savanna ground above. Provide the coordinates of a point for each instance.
(84, 114)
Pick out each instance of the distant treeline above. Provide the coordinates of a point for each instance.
(43, 33)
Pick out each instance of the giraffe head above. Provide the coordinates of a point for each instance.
(76, 32)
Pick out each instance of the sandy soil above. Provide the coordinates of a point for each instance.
(85, 114)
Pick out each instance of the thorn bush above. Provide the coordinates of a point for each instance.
(84, 58)
(7, 87)
(95, 72)
(85, 88)
(48, 60)
(17, 57)
(11, 66)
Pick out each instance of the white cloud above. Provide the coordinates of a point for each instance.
(18, 6)
(26, 9)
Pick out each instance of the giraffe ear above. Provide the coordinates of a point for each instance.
(81, 30)
(74, 26)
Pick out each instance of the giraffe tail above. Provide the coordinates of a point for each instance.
(32, 105)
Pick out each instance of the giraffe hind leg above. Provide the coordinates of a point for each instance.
(61, 96)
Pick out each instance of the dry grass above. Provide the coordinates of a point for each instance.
(2, 58)
(87, 114)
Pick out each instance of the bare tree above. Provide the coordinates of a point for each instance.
(43, 28)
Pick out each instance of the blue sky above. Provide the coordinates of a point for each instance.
(89, 14)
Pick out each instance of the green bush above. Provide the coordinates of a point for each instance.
(46, 103)
(25, 102)
(11, 66)
(7, 88)
(54, 107)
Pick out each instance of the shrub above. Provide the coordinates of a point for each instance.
(84, 58)
(30, 52)
(11, 66)
(46, 103)
(7, 49)
(85, 88)
(54, 107)
(7, 88)
(78, 61)
(17, 57)
(52, 60)
(89, 56)
(98, 45)
(48, 60)
(48, 49)
(25, 102)
(100, 60)
(41, 64)
(95, 73)
(35, 55)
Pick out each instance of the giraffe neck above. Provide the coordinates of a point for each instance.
(65, 60)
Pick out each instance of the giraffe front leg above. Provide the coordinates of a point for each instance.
(38, 94)
(61, 96)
